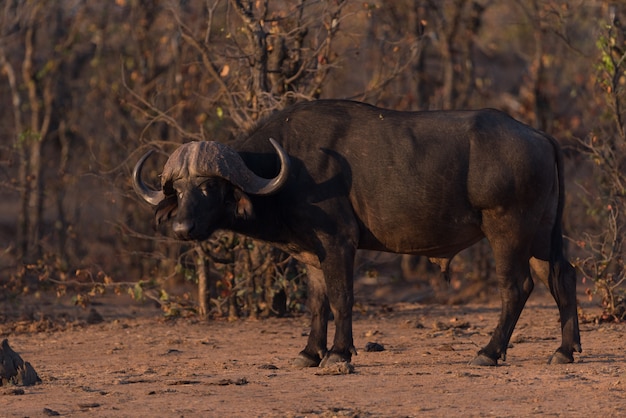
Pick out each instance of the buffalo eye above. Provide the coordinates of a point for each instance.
(204, 189)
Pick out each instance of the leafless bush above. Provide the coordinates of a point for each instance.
(603, 244)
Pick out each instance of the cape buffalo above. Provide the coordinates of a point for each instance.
(322, 179)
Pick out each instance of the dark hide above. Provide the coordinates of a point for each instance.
(427, 183)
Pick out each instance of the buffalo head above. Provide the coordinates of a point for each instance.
(205, 186)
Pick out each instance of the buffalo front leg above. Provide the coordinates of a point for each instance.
(317, 302)
(338, 272)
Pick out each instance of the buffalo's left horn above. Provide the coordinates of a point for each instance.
(154, 197)
(260, 186)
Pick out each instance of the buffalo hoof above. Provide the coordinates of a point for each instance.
(560, 358)
(304, 360)
(483, 360)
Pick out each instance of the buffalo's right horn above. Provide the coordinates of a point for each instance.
(154, 197)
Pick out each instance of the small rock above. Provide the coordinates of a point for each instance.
(13, 391)
(445, 347)
(268, 367)
(238, 382)
(373, 347)
(336, 369)
(50, 412)
(88, 405)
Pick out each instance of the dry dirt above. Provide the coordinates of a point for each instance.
(136, 364)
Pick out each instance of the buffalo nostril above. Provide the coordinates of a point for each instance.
(183, 228)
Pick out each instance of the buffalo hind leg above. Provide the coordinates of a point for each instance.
(515, 285)
(317, 303)
(562, 285)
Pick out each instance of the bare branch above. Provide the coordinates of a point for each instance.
(15, 95)
(161, 116)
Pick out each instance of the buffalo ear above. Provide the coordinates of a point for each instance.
(165, 210)
(243, 205)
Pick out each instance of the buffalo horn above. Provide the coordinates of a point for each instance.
(154, 197)
(260, 186)
(214, 159)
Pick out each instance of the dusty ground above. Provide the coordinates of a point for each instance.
(136, 364)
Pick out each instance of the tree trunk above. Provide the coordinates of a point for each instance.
(202, 270)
